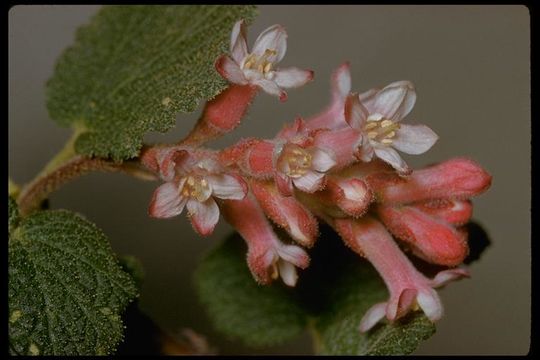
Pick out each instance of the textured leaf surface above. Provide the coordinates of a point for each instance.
(134, 268)
(133, 68)
(239, 307)
(66, 290)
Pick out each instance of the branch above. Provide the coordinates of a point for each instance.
(42, 186)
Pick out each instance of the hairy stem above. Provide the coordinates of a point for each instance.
(42, 186)
(65, 166)
(39, 189)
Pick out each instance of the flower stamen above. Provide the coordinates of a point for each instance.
(299, 162)
(260, 63)
(382, 131)
(195, 187)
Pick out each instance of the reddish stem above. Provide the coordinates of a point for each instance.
(41, 187)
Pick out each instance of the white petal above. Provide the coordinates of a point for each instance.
(252, 75)
(228, 187)
(271, 88)
(322, 160)
(292, 77)
(414, 139)
(355, 113)
(395, 101)
(446, 276)
(367, 97)
(310, 182)
(341, 81)
(293, 254)
(238, 41)
(273, 38)
(431, 304)
(230, 70)
(372, 316)
(166, 201)
(391, 157)
(204, 216)
(288, 274)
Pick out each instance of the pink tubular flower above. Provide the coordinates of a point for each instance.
(221, 114)
(377, 116)
(333, 116)
(193, 183)
(457, 178)
(267, 257)
(287, 212)
(408, 288)
(257, 68)
(423, 209)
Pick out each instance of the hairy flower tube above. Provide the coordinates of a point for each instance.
(339, 166)
(268, 257)
(247, 73)
(408, 288)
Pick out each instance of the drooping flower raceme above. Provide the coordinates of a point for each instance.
(257, 68)
(346, 171)
(193, 183)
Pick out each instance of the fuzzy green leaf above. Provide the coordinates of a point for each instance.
(239, 307)
(133, 68)
(339, 288)
(134, 268)
(66, 289)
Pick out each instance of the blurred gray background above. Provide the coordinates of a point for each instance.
(470, 65)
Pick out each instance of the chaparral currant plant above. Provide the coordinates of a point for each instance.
(340, 169)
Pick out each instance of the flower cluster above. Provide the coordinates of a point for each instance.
(341, 166)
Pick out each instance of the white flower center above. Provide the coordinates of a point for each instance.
(196, 187)
(260, 63)
(381, 130)
(295, 161)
